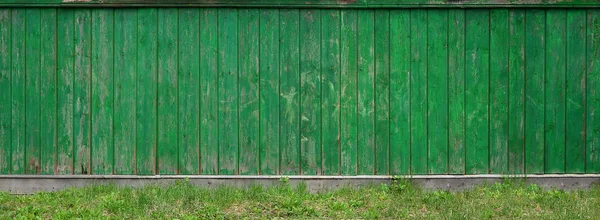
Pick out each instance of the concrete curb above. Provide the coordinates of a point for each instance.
(26, 184)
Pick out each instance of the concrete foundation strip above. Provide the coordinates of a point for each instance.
(26, 184)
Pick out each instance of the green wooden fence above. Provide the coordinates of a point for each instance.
(299, 91)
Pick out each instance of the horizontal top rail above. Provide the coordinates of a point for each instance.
(309, 3)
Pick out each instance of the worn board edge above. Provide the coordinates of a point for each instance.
(28, 184)
(305, 3)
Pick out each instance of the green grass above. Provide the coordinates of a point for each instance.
(399, 200)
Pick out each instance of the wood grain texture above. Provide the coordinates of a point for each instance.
(535, 41)
(65, 67)
(554, 122)
(456, 92)
(228, 91)
(310, 95)
(437, 88)
(499, 90)
(102, 91)
(592, 92)
(399, 92)
(366, 92)
(289, 110)
(330, 89)
(418, 92)
(5, 90)
(575, 91)
(167, 88)
(269, 61)
(267, 91)
(516, 93)
(189, 91)
(477, 66)
(146, 100)
(348, 92)
(249, 33)
(209, 102)
(125, 95)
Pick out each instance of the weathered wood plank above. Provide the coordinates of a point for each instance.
(125, 86)
(499, 79)
(209, 102)
(382, 92)
(146, 101)
(399, 92)
(33, 67)
(5, 90)
(189, 91)
(250, 104)
(366, 92)
(167, 146)
(310, 87)
(330, 89)
(228, 91)
(348, 92)
(418, 91)
(456, 91)
(82, 83)
(516, 93)
(477, 90)
(554, 158)
(305, 3)
(102, 91)
(575, 91)
(592, 133)
(289, 110)
(269, 62)
(437, 88)
(48, 93)
(535, 41)
(65, 67)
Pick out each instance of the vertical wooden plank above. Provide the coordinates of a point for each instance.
(18, 55)
(534, 83)
(399, 92)
(249, 99)
(228, 91)
(48, 107)
(5, 90)
(592, 162)
(146, 101)
(189, 90)
(330, 76)
(516, 93)
(554, 158)
(499, 65)
(289, 110)
(382, 92)
(575, 91)
(418, 91)
(167, 91)
(82, 92)
(366, 92)
(437, 91)
(269, 92)
(348, 92)
(209, 145)
(125, 95)
(477, 50)
(456, 91)
(65, 67)
(310, 99)
(32, 90)
(102, 91)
